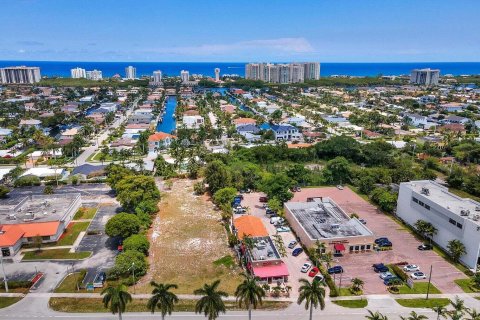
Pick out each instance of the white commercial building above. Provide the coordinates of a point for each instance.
(157, 76)
(453, 216)
(94, 75)
(78, 73)
(185, 75)
(19, 75)
(217, 74)
(427, 77)
(130, 73)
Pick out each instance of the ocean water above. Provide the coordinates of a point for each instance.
(62, 68)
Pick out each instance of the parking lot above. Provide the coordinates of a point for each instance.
(359, 265)
(294, 264)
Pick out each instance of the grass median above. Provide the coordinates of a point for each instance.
(361, 303)
(423, 303)
(87, 305)
(85, 213)
(467, 285)
(72, 232)
(55, 254)
(8, 301)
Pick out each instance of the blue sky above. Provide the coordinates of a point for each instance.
(257, 30)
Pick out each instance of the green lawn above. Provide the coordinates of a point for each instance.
(467, 285)
(418, 288)
(423, 303)
(345, 292)
(72, 232)
(140, 305)
(62, 254)
(68, 284)
(8, 301)
(352, 303)
(85, 213)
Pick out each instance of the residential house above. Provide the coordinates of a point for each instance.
(28, 123)
(286, 132)
(193, 122)
(416, 119)
(159, 141)
(243, 121)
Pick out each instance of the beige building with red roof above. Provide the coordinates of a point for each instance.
(243, 121)
(159, 141)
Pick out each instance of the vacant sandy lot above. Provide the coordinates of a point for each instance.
(186, 238)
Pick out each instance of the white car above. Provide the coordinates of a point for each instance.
(418, 275)
(411, 267)
(306, 266)
(283, 229)
(385, 275)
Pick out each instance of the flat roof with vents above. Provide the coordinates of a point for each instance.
(324, 219)
(263, 249)
(36, 208)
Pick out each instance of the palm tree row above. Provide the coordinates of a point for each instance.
(249, 295)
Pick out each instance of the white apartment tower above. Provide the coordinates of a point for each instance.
(19, 75)
(185, 76)
(130, 73)
(157, 76)
(283, 73)
(426, 77)
(217, 74)
(94, 75)
(78, 73)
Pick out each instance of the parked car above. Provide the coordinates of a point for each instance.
(385, 244)
(336, 269)
(319, 277)
(99, 279)
(274, 220)
(385, 275)
(411, 267)
(418, 275)
(297, 252)
(380, 240)
(283, 229)
(380, 267)
(339, 187)
(313, 272)
(263, 199)
(389, 281)
(425, 246)
(292, 244)
(363, 221)
(306, 266)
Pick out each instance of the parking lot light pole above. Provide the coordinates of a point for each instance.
(429, 280)
(4, 274)
(133, 274)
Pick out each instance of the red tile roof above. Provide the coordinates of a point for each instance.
(159, 136)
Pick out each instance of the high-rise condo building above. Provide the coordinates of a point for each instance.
(283, 73)
(311, 70)
(94, 75)
(19, 75)
(130, 73)
(78, 73)
(157, 76)
(184, 75)
(426, 77)
(217, 74)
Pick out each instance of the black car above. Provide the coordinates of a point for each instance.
(425, 247)
(297, 251)
(384, 244)
(380, 267)
(336, 269)
(380, 240)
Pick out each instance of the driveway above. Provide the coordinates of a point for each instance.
(404, 245)
(294, 264)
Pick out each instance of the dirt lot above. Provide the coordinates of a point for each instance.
(404, 245)
(186, 238)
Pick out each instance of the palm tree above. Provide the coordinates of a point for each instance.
(473, 315)
(458, 305)
(357, 284)
(327, 258)
(117, 298)
(211, 303)
(313, 294)
(249, 294)
(375, 316)
(440, 311)
(414, 316)
(162, 298)
(456, 249)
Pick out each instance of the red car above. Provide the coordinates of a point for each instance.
(263, 199)
(313, 272)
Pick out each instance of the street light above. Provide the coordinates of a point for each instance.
(133, 274)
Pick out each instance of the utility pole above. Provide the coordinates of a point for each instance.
(133, 274)
(429, 280)
(4, 274)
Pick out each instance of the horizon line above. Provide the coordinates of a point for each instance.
(244, 62)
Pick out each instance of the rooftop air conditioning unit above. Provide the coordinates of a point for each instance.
(476, 217)
(477, 208)
(12, 217)
(464, 213)
(425, 191)
(262, 257)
